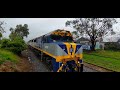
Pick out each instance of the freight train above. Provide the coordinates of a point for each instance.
(59, 51)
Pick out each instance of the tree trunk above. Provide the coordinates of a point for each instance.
(93, 45)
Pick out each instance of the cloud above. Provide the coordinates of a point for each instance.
(37, 26)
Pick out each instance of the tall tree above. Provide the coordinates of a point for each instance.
(93, 27)
(0, 36)
(20, 30)
(1, 28)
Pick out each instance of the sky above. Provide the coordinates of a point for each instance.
(40, 26)
(37, 26)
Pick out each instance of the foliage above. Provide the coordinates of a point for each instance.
(93, 27)
(112, 46)
(20, 30)
(17, 45)
(75, 33)
(6, 55)
(0, 36)
(5, 43)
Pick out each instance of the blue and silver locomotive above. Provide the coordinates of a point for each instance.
(58, 49)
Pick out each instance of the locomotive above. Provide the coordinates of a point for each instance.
(59, 51)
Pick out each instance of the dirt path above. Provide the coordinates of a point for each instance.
(22, 66)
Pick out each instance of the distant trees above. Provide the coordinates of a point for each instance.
(21, 31)
(112, 46)
(93, 27)
(75, 33)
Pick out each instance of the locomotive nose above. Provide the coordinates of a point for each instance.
(71, 49)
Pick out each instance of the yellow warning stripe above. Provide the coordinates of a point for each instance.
(44, 52)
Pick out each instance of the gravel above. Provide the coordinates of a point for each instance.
(38, 66)
(87, 69)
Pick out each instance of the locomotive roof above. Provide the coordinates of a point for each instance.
(59, 30)
(53, 32)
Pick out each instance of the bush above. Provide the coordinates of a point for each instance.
(16, 46)
(5, 43)
(112, 46)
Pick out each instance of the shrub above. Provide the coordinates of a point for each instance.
(112, 46)
(17, 45)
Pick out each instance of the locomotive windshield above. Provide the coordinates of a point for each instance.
(59, 38)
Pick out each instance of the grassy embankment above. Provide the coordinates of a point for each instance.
(8, 56)
(107, 59)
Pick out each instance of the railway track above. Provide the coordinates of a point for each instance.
(97, 68)
(38, 65)
(88, 69)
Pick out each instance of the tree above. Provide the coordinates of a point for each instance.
(75, 34)
(5, 43)
(12, 35)
(16, 46)
(1, 29)
(93, 27)
(20, 30)
(0, 36)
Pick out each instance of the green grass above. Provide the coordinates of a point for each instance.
(8, 56)
(107, 59)
(110, 54)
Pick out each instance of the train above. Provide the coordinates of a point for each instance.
(59, 51)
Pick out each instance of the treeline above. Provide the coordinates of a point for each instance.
(15, 42)
(112, 46)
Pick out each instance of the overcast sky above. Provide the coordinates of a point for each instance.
(37, 26)
(40, 26)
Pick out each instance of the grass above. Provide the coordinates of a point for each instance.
(107, 59)
(8, 56)
(108, 54)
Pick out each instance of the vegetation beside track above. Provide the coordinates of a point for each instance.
(104, 58)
